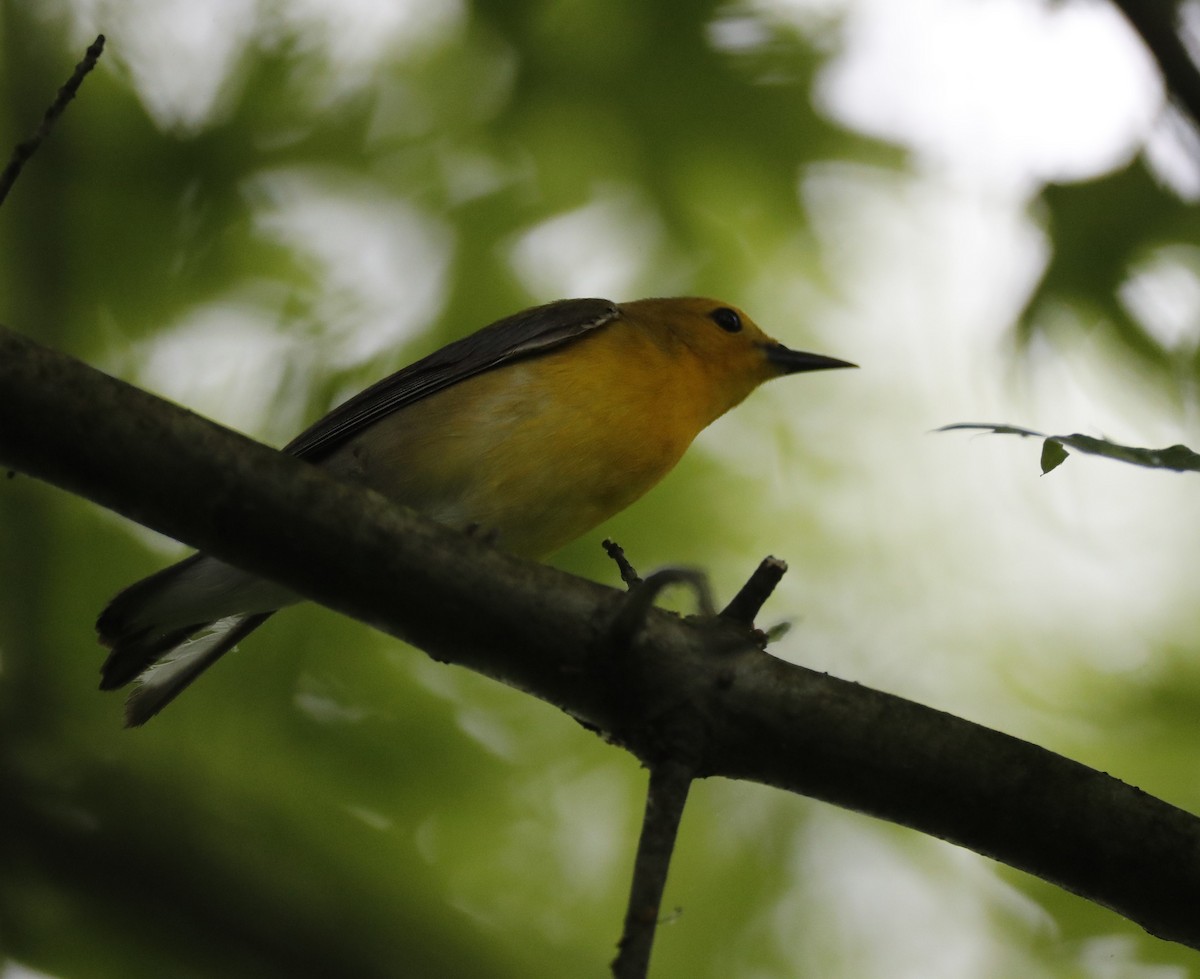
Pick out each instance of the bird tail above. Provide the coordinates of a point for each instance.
(167, 629)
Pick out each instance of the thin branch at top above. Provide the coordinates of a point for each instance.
(24, 150)
(1157, 23)
(755, 592)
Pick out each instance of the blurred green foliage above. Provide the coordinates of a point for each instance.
(325, 803)
(1103, 230)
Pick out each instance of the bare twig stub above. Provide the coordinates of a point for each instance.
(24, 150)
(615, 551)
(755, 592)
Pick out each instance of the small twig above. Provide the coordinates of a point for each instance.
(617, 553)
(26, 149)
(670, 781)
(755, 592)
(641, 596)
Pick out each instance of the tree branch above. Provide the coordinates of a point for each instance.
(666, 796)
(545, 632)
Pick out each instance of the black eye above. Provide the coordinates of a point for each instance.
(727, 319)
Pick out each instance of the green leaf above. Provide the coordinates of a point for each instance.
(1053, 455)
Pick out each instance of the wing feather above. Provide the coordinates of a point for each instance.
(526, 333)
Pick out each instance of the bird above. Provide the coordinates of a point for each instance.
(536, 428)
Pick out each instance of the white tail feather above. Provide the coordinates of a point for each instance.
(162, 682)
(182, 660)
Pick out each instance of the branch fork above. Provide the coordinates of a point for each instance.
(672, 744)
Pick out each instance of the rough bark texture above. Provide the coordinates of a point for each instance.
(547, 632)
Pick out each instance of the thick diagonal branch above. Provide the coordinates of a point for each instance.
(538, 629)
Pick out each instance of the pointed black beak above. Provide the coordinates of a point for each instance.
(794, 361)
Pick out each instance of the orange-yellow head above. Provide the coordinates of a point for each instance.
(722, 352)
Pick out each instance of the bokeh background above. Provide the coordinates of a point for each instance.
(255, 207)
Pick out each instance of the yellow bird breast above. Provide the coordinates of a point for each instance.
(539, 451)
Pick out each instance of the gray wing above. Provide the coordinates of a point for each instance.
(528, 332)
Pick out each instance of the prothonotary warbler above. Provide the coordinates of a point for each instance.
(534, 429)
